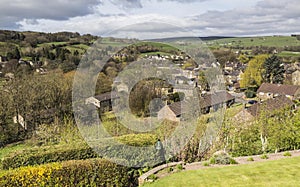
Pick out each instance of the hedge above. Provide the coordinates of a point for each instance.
(138, 157)
(92, 172)
(41, 156)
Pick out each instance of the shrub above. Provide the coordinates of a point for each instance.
(205, 163)
(250, 159)
(212, 160)
(179, 167)
(93, 172)
(152, 177)
(287, 154)
(222, 158)
(232, 161)
(264, 156)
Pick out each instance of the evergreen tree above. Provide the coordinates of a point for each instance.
(273, 70)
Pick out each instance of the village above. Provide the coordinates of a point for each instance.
(269, 96)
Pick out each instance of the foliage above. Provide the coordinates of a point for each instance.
(264, 156)
(271, 132)
(273, 70)
(142, 94)
(179, 167)
(94, 172)
(287, 153)
(253, 73)
(152, 177)
(206, 163)
(250, 159)
(38, 99)
(222, 158)
(46, 154)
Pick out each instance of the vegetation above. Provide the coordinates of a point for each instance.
(273, 70)
(39, 92)
(287, 153)
(95, 172)
(252, 77)
(264, 156)
(282, 172)
(222, 158)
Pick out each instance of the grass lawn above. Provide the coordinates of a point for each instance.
(12, 148)
(284, 172)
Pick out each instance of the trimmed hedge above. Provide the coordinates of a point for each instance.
(92, 172)
(41, 156)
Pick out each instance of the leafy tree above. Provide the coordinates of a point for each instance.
(253, 73)
(274, 70)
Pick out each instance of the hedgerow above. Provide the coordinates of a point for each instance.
(41, 156)
(92, 172)
(138, 155)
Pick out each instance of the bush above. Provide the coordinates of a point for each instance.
(205, 163)
(222, 158)
(287, 154)
(250, 159)
(93, 172)
(152, 177)
(179, 167)
(232, 161)
(264, 156)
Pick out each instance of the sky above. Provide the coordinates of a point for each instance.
(154, 18)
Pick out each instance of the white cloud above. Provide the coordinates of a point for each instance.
(12, 11)
(263, 18)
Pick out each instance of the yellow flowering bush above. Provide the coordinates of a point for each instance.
(92, 172)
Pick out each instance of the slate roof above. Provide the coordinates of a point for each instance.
(176, 108)
(215, 98)
(281, 89)
(270, 105)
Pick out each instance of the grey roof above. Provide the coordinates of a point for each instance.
(215, 98)
(281, 89)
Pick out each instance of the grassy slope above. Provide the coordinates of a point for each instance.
(277, 41)
(284, 172)
(12, 148)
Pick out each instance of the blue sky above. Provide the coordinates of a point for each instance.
(168, 18)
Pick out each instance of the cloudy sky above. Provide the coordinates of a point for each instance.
(153, 18)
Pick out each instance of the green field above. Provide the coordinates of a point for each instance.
(269, 41)
(289, 54)
(284, 172)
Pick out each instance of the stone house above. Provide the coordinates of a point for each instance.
(103, 101)
(208, 102)
(170, 112)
